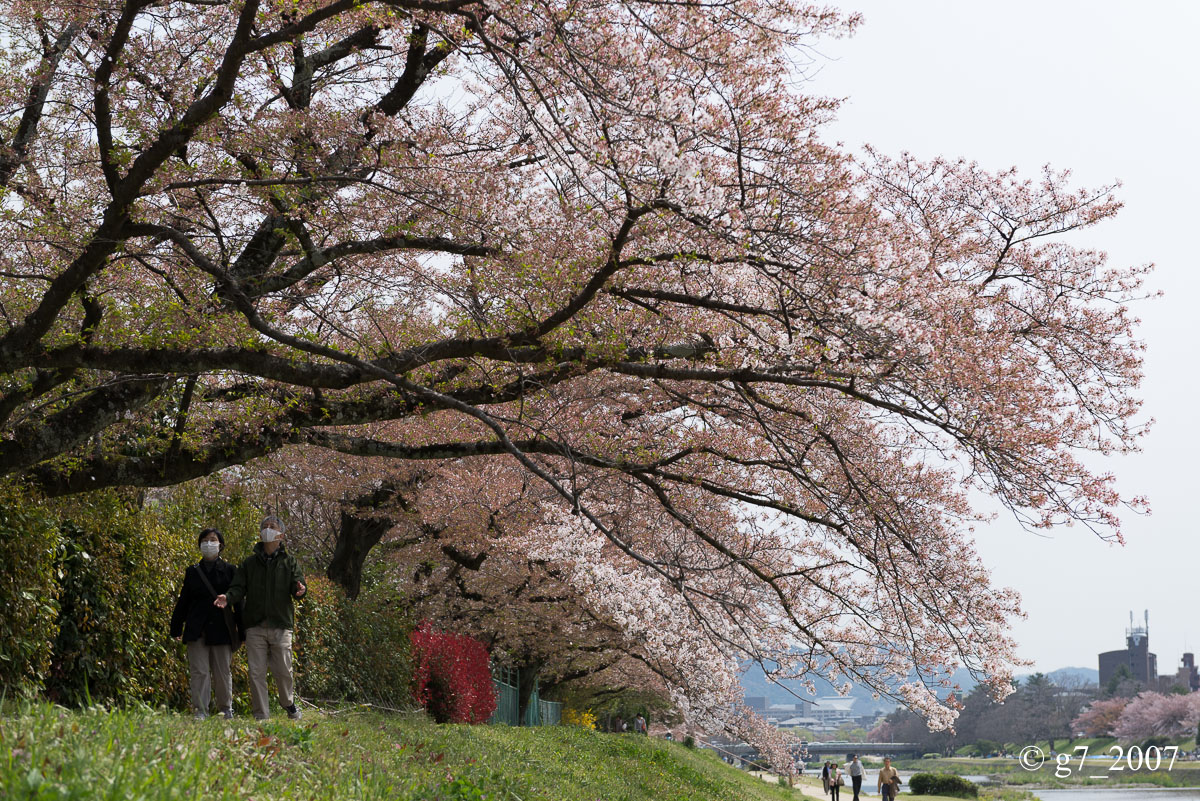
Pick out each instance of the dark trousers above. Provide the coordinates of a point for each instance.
(833, 791)
(889, 791)
(857, 782)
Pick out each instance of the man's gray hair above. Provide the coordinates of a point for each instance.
(271, 521)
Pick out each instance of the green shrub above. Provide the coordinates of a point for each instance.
(353, 650)
(119, 572)
(88, 584)
(942, 784)
(188, 509)
(931, 756)
(28, 593)
(985, 747)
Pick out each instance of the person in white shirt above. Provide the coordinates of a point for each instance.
(856, 775)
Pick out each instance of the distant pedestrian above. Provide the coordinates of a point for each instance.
(889, 780)
(825, 777)
(639, 724)
(268, 580)
(836, 780)
(856, 775)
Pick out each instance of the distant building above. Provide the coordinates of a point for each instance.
(1142, 664)
(1186, 677)
(757, 702)
(799, 722)
(833, 711)
(778, 713)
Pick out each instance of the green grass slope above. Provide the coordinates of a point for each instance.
(50, 753)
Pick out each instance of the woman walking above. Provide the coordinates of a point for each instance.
(211, 634)
(835, 781)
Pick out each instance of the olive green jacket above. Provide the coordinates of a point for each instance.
(267, 586)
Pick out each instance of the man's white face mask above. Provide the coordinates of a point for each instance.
(269, 535)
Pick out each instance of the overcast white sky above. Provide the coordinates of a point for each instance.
(1112, 91)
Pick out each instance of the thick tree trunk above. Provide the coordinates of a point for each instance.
(363, 524)
(357, 535)
(527, 678)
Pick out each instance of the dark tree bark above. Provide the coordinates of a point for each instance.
(356, 537)
(362, 526)
(527, 677)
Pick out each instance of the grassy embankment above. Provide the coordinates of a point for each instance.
(50, 753)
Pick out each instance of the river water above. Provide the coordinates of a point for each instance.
(1127, 793)
(1117, 793)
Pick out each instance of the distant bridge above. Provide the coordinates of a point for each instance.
(817, 750)
(843, 749)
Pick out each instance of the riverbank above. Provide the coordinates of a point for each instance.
(811, 788)
(47, 752)
(1073, 773)
(808, 788)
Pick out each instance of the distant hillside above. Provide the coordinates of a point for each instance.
(1077, 675)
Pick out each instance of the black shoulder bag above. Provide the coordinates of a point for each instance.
(234, 641)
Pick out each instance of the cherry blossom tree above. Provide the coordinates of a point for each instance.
(596, 246)
(1100, 718)
(1155, 714)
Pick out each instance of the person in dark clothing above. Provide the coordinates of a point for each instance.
(269, 579)
(208, 632)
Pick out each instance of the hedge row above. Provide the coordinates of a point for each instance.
(88, 585)
(942, 784)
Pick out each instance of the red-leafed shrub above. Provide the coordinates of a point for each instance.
(451, 678)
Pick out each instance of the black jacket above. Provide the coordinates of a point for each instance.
(195, 616)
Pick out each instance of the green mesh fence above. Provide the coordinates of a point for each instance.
(538, 713)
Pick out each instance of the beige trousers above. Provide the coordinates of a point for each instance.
(269, 648)
(208, 670)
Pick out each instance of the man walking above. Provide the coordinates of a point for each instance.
(889, 780)
(268, 580)
(856, 774)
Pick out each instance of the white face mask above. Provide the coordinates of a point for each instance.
(210, 549)
(269, 535)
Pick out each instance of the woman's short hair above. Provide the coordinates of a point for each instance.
(206, 532)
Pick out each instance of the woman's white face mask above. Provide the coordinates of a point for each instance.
(210, 549)
(269, 535)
